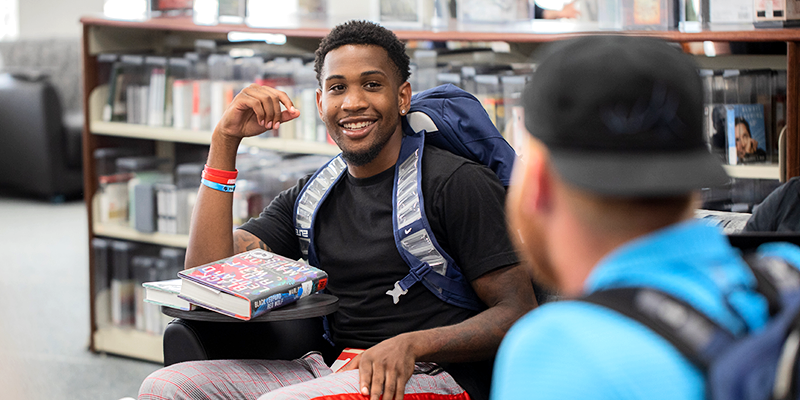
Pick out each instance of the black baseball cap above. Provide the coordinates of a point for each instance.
(622, 116)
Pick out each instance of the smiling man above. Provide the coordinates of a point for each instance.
(418, 345)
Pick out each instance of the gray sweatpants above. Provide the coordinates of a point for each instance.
(304, 378)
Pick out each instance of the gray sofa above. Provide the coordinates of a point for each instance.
(41, 120)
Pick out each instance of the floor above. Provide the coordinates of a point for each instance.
(44, 309)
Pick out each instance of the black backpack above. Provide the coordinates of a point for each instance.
(760, 365)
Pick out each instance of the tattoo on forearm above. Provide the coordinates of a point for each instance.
(249, 242)
(257, 245)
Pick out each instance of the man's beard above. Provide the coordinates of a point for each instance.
(534, 251)
(537, 255)
(358, 159)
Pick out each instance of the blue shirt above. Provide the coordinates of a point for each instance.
(577, 350)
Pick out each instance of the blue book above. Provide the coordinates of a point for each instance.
(720, 131)
(750, 133)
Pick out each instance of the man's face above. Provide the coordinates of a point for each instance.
(526, 228)
(360, 101)
(745, 144)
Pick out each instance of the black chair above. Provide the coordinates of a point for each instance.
(39, 154)
(749, 241)
(282, 334)
(187, 340)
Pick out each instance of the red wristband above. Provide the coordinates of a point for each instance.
(217, 179)
(221, 173)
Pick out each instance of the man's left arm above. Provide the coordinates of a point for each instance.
(386, 367)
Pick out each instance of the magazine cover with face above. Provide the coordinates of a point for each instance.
(750, 133)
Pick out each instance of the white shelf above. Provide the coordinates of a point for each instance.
(128, 233)
(130, 343)
(770, 171)
(199, 137)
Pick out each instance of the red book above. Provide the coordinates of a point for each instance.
(345, 358)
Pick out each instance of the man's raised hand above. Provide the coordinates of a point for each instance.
(254, 110)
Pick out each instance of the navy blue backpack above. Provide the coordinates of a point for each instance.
(757, 366)
(446, 117)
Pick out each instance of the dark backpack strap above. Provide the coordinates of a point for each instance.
(692, 333)
(774, 276)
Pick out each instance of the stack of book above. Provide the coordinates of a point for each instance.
(744, 114)
(243, 286)
(192, 92)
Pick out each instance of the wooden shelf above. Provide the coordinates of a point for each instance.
(519, 32)
(130, 343)
(128, 233)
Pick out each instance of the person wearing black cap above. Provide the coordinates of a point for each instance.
(603, 198)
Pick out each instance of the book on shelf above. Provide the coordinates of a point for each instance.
(750, 133)
(182, 103)
(201, 105)
(249, 284)
(166, 293)
(157, 89)
(126, 73)
(719, 135)
(730, 11)
(649, 14)
(751, 86)
(736, 132)
(108, 108)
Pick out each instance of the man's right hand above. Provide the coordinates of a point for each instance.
(254, 110)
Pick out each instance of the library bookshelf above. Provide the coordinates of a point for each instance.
(158, 36)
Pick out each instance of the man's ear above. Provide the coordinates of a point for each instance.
(538, 187)
(319, 103)
(404, 97)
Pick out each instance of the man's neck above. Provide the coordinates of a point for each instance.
(581, 250)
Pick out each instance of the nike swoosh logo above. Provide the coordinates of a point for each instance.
(408, 231)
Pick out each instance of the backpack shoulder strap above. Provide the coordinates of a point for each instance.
(427, 261)
(308, 201)
(414, 238)
(774, 277)
(692, 333)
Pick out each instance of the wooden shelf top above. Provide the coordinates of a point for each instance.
(520, 32)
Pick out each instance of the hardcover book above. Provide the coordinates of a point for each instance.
(249, 284)
(165, 293)
(347, 355)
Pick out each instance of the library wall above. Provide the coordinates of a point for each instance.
(54, 18)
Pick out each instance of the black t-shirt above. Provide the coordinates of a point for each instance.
(355, 246)
(779, 212)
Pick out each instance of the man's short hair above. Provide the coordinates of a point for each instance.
(364, 33)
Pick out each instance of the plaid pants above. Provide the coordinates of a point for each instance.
(302, 379)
